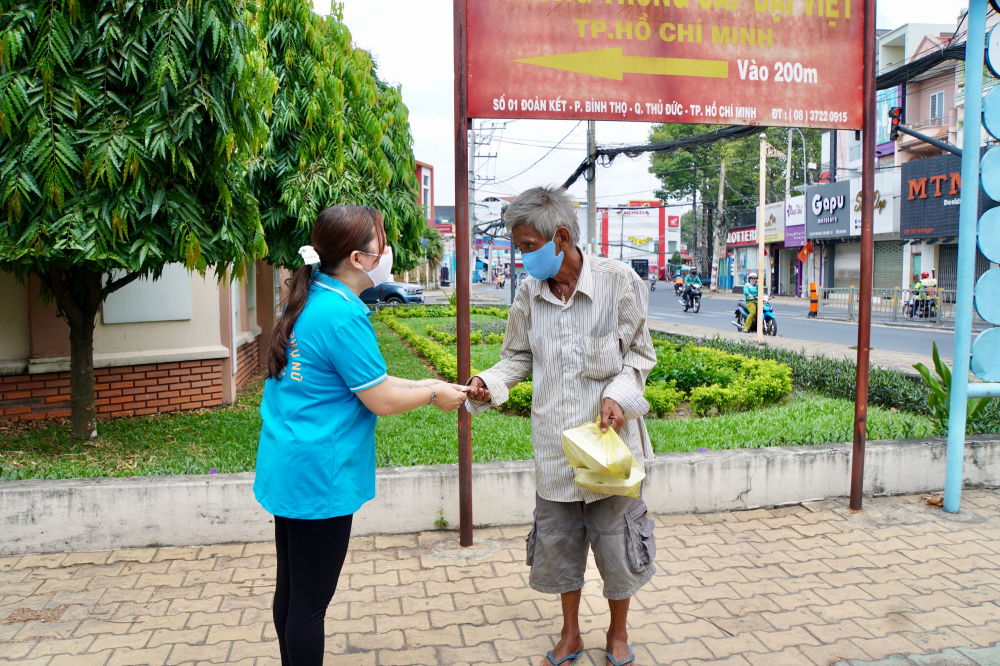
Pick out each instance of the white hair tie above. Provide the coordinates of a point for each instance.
(309, 256)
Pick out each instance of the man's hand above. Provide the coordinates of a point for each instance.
(479, 392)
(611, 415)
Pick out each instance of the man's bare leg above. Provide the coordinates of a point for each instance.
(570, 641)
(618, 633)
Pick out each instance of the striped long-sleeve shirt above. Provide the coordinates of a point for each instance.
(594, 346)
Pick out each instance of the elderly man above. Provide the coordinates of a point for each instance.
(578, 328)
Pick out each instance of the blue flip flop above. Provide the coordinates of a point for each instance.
(572, 657)
(628, 660)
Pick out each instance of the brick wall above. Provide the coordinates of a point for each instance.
(247, 362)
(126, 391)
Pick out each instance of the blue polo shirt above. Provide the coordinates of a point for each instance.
(316, 457)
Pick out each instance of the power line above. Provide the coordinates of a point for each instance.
(549, 152)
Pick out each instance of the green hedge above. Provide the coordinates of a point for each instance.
(716, 379)
(475, 337)
(412, 311)
(836, 378)
(663, 397)
(443, 361)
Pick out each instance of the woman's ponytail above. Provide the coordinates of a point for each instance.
(338, 231)
(297, 296)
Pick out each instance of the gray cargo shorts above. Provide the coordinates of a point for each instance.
(618, 530)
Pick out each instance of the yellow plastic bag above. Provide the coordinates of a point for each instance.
(596, 451)
(612, 485)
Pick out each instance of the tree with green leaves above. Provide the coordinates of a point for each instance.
(339, 135)
(126, 128)
(696, 170)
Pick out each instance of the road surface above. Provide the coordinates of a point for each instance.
(793, 322)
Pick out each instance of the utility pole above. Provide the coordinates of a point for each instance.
(760, 240)
(592, 188)
(472, 202)
(833, 156)
(717, 261)
(621, 240)
(788, 166)
(694, 215)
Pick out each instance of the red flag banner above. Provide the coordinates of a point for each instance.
(795, 63)
(804, 252)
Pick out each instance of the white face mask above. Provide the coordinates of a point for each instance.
(383, 269)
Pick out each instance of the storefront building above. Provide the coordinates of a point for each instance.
(742, 254)
(833, 225)
(774, 241)
(929, 205)
(790, 268)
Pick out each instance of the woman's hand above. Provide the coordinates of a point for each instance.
(449, 396)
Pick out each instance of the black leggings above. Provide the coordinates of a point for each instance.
(310, 556)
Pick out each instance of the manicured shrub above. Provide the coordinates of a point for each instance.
(494, 338)
(720, 380)
(443, 361)
(411, 311)
(836, 378)
(663, 397)
(519, 400)
(443, 337)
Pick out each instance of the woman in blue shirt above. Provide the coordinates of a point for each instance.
(326, 385)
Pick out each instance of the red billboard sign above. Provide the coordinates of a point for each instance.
(795, 63)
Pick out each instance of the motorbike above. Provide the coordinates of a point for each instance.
(652, 285)
(770, 324)
(692, 300)
(916, 308)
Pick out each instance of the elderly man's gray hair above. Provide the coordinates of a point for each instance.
(546, 209)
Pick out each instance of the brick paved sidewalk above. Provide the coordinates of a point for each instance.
(799, 585)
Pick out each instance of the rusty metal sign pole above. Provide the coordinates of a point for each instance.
(867, 260)
(462, 272)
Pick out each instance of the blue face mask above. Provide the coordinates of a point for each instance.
(543, 263)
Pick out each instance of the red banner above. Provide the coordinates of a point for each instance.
(795, 63)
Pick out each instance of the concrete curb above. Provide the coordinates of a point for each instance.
(76, 515)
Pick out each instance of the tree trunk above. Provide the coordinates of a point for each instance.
(81, 383)
(79, 294)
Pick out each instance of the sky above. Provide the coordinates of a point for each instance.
(412, 46)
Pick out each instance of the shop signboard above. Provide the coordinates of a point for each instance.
(886, 218)
(741, 237)
(774, 222)
(930, 194)
(730, 62)
(795, 221)
(828, 211)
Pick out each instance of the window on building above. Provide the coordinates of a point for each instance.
(937, 105)
(427, 180)
(671, 246)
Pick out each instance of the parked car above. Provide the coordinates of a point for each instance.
(394, 292)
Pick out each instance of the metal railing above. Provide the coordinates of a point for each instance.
(935, 307)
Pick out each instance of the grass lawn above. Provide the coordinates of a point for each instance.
(225, 439)
(805, 419)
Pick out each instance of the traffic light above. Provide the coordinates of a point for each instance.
(895, 117)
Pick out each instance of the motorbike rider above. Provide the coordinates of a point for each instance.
(652, 280)
(690, 280)
(928, 293)
(750, 296)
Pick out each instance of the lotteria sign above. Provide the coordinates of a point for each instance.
(741, 237)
